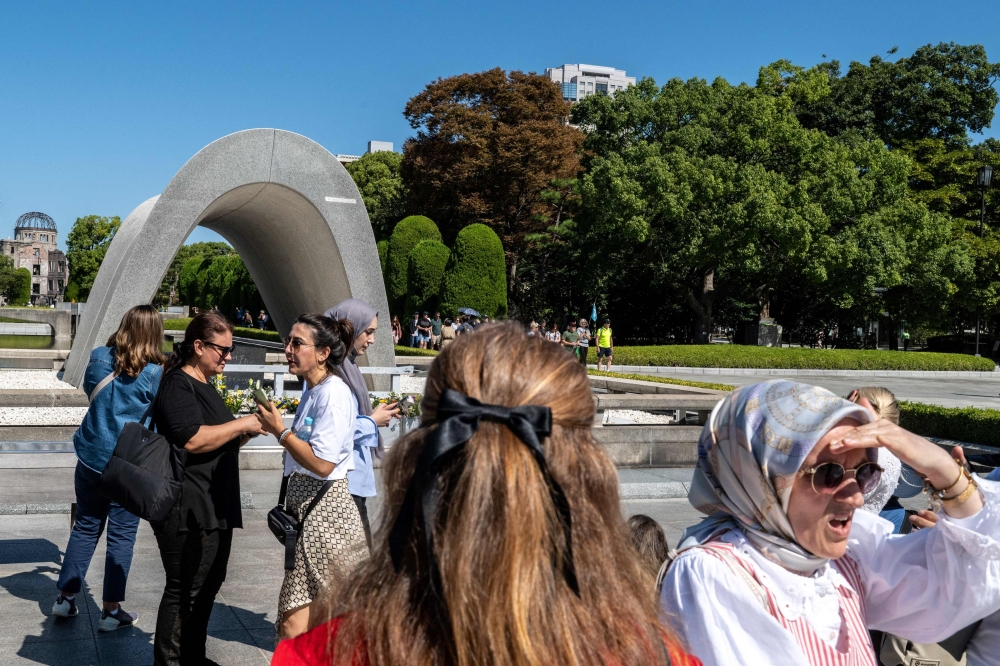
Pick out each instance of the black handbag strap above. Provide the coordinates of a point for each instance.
(149, 410)
(283, 491)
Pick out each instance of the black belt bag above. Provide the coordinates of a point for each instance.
(283, 524)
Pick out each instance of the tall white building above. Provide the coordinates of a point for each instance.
(579, 81)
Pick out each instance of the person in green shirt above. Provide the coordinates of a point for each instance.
(436, 331)
(605, 344)
(571, 339)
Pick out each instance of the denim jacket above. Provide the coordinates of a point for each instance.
(122, 401)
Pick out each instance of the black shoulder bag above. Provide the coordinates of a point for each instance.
(283, 524)
(146, 472)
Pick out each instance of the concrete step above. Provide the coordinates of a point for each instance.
(43, 398)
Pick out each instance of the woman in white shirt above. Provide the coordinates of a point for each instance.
(786, 571)
(332, 538)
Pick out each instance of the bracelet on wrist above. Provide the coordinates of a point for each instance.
(962, 497)
(283, 436)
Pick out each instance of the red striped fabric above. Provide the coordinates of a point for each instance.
(854, 646)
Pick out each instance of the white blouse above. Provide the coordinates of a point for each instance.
(925, 585)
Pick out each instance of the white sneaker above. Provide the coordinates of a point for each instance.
(109, 622)
(64, 607)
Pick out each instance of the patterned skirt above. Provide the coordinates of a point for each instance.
(331, 545)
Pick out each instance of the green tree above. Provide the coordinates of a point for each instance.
(941, 91)
(86, 245)
(20, 289)
(170, 284)
(410, 231)
(378, 178)
(487, 146)
(426, 270)
(188, 289)
(714, 189)
(475, 276)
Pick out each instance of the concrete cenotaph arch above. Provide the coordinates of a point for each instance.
(284, 203)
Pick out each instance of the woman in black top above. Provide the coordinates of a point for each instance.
(196, 537)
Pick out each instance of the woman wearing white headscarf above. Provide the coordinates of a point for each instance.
(361, 480)
(784, 570)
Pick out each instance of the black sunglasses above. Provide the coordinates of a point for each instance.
(224, 351)
(828, 477)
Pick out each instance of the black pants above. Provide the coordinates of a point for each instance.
(195, 563)
(363, 510)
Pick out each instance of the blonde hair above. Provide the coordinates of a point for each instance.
(883, 402)
(138, 340)
(498, 536)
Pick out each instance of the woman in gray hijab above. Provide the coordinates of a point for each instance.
(361, 480)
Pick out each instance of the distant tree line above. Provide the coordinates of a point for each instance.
(814, 196)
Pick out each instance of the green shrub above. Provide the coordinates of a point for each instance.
(410, 231)
(383, 251)
(179, 324)
(427, 263)
(188, 289)
(72, 292)
(476, 275)
(402, 350)
(964, 424)
(662, 380)
(740, 356)
(20, 293)
(256, 334)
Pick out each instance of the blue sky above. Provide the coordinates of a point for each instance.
(101, 103)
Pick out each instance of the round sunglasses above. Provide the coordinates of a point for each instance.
(828, 477)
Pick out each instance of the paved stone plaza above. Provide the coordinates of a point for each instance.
(241, 630)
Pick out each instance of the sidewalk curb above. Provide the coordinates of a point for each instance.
(246, 502)
(663, 490)
(798, 372)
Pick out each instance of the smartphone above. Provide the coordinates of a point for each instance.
(260, 397)
(406, 403)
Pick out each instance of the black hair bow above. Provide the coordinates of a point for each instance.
(458, 418)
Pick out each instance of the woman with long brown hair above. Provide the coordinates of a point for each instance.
(121, 380)
(502, 540)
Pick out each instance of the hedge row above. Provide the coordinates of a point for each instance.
(662, 380)
(741, 356)
(239, 332)
(402, 350)
(963, 424)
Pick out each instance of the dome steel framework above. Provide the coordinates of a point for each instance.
(35, 220)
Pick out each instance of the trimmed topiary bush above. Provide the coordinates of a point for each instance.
(410, 231)
(476, 275)
(427, 263)
(383, 252)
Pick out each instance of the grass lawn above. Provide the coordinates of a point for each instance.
(741, 356)
(662, 380)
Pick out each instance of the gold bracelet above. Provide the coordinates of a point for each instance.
(962, 497)
(940, 494)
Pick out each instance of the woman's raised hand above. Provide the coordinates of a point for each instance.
(384, 413)
(928, 459)
(269, 419)
(251, 426)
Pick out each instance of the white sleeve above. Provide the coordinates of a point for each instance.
(332, 437)
(929, 584)
(718, 617)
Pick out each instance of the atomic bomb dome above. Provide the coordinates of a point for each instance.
(34, 247)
